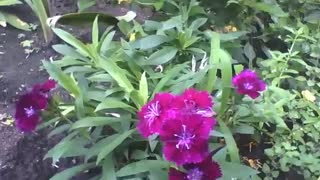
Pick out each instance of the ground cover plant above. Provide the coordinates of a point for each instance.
(203, 90)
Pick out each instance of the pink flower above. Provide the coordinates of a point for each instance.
(193, 101)
(205, 170)
(186, 138)
(29, 105)
(152, 115)
(248, 83)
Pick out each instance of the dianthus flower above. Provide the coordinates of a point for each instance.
(186, 138)
(29, 105)
(193, 101)
(154, 113)
(248, 83)
(205, 170)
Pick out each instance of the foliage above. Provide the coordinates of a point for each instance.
(11, 19)
(41, 9)
(110, 79)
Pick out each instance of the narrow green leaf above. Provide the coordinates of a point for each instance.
(114, 144)
(236, 171)
(143, 88)
(149, 42)
(112, 103)
(213, 61)
(108, 170)
(141, 167)
(59, 130)
(69, 173)
(95, 32)
(63, 79)
(16, 22)
(231, 143)
(117, 73)
(162, 56)
(70, 39)
(94, 121)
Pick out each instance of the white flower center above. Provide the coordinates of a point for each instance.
(153, 112)
(248, 85)
(185, 138)
(29, 111)
(194, 174)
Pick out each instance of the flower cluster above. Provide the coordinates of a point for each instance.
(248, 83)
(29, 105)
(183, 123)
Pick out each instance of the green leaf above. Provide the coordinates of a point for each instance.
(63, 79)
(274, 10)
(313, 17)
(16, 22)
(9, 2)
(213, 61)
(59, 130)
(69, 173)
(84, 4)
(169, 76)
(232, 35)
(231, 143)
(114, 144)
(95, 32)
(236, 171)
(95, 121)
(143, 88)
(106, 42)
(96, 148)
(68, 38)
(196, 24)
(162, 56)
(108, 170)
(117, 73)
(149, 42)
(112, 103)
(249, 51)
(141, 167)
(68, 51)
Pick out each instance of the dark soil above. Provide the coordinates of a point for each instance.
(21, 154)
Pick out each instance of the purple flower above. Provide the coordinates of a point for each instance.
(186, 138)
(193, 101)
(29, 105)
(248, 83)
(27, 111)
(205, 170)
(152, 114)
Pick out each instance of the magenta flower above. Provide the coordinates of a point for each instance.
(153, 114)
(193, 101)
(45, 87)
(205, 170)
(27, 111)
(186, 138)
(29, 105)
(248, 83)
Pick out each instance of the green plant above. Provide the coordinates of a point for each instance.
(108, 88)
(13, 20)
(41, 9)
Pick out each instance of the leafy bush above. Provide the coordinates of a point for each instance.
(112, 81)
